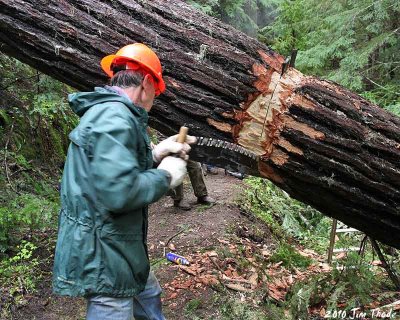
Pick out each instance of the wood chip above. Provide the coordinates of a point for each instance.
(212, 254)
(184, 285)
(223, 241)
(172, 296)
(253, 279)
(341, 255)
(188, 270)
(376, 263)
(289, 280)
(208, 280)
(325, 267)
(276, 265)
(235, 274)
(240, 280)
(228, 273)
(173, 305)
(237, 287)
(275, 293)
(266, 253)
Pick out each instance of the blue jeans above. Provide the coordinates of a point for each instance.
(145, 306)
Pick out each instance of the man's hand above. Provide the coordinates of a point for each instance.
(170, 146)
(176, 167)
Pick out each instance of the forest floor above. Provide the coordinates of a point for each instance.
(205, 235)
(234, 272)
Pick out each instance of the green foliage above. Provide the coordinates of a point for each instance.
(153, 135)
(289, 257)
(4, 117)
(351, 285)
(41, 118)
(20, 160)
(57, 141)
(35, 121)
(26, 212)
(50, 102)
(289, 30)
(207, 6)
(285, 215)
(233, 309)
(16, 272)
(19, 275)
(388, 96)
(192, 306)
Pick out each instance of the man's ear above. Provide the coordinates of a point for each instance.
(148, 82)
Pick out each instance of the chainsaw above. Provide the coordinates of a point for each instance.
(225, 155)
(222, 154)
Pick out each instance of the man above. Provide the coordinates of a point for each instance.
(199, 187)
(107, 184)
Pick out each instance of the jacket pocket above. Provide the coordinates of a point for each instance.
(125, 265)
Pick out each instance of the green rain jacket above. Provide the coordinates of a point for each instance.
(107, 184)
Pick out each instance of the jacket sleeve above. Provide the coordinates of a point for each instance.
(119, 183)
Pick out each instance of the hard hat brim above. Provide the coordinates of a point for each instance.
(106, 64)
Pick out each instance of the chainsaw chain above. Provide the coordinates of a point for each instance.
(216, 143)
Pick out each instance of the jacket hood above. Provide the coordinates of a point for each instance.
(81, 102)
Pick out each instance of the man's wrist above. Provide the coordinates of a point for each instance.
(168, 175)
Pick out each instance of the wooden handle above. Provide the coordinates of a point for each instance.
(182, 134)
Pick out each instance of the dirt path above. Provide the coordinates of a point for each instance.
(197, 230)
(202, 229)
(202, 225)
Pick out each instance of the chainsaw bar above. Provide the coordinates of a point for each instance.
(225, 155)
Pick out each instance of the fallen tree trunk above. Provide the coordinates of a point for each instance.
(324, 145)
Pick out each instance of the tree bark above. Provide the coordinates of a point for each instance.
(323, 144)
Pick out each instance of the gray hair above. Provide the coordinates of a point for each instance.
(127, 78)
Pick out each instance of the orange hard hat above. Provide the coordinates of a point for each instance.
(145, 58)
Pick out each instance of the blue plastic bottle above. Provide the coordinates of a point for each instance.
(177, 259)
